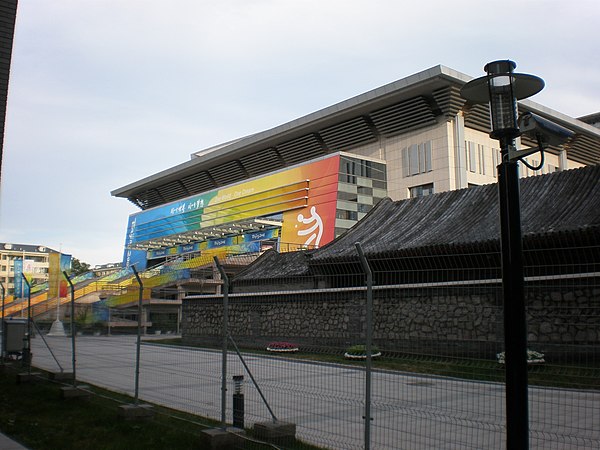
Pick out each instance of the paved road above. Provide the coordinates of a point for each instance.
(327, 401)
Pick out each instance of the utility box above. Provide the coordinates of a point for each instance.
(14, 332)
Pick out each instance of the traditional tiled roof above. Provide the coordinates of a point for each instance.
(564, 201)
(271, 265)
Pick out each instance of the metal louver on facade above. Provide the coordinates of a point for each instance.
(404, 116)
(301, 149)
(348, 134)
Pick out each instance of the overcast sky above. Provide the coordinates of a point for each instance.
(106, 92)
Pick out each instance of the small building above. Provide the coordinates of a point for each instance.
(35, 260)
(103, 270)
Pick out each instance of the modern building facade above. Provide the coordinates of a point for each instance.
(103, 270)
(303, 206)
(35, 260)
(410, 138)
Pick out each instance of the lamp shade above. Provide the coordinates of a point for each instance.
(501, 87)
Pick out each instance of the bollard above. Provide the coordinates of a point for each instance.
(25, 356)
(238, 402)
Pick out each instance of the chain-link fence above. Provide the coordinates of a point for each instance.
(297, 327)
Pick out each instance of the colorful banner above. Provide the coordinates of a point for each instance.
(314, 225)
(20, 287)
(196, 247)
(53, 274)
(57, 284)
(305, 196)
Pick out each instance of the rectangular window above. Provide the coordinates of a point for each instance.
(346, 215)
(421, 191)
(417, 159)
(481, 155)
(472, 156)
(496, 161)
(413, 159)
(425, 157)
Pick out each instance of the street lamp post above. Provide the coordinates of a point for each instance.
(501, 87)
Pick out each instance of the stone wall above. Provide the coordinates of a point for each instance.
(456, 321)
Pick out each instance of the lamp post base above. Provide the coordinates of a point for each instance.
(57, 329)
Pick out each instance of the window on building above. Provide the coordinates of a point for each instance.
(346, 215)
(417, 159)
(421, 191)
(481, 157)
(476, 158)
(348, 196)
(472, 156)
(496, 161)
(364, 208)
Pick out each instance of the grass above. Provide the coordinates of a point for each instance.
(551, 375)
(33, 414)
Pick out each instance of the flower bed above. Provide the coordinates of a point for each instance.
(533, 357)
(282, 347)
(360, 352)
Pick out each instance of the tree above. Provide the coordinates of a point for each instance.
(79, 267)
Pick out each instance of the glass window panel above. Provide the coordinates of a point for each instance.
(413, 159)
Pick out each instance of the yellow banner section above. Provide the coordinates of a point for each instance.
(262, 203)
(53, 274)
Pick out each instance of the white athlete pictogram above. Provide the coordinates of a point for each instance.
(318, 226)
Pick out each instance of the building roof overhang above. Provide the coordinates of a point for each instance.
(420, 100)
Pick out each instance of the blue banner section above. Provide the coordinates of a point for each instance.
(261, 235)
(236, 242)
(222, 242)
(173, 218)
(135, 257)
(179, 250)
(65, 263)
(248, 247)
(100, 311)
(18, 280)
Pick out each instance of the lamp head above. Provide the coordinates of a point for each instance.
(501, 87)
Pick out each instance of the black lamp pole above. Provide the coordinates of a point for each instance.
(502, 88)
(503, 114)
(513, 286)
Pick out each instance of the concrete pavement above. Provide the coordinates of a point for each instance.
(7, 443)
(326, 401)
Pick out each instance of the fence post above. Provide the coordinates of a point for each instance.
(2, 325)
(73, 356)
(368, 344)
(138, 342)
(225, 279)
(27, 341)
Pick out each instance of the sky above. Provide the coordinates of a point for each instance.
(103, 93)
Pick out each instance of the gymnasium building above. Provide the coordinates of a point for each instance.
(303, 183)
